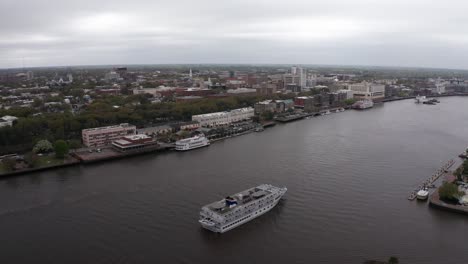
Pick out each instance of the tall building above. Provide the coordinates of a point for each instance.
(365, 90)
(101, 136)
(190, 74)
(70, 77)
(29, 75)
(298, 77)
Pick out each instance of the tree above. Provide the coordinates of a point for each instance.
(43, 146)
(393, 260)
(61, 148)
(74, 144)
(350, 101)
(32, 159)
(449, 192)
(9, 164)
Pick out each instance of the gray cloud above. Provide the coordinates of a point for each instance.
(367, 32)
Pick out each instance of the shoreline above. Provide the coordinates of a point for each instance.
(79, 160)
(435, 202)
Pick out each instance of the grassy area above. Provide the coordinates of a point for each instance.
(48, 161)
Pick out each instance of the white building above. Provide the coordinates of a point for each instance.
(349, 93)
(224, 118)
(439, 86)
(365, 90)
(297, 76)
(7, 121)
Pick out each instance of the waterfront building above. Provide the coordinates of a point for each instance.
(366, 90)
(301, 101)
(265, 106)
(348, 93)
(224, 118)
(156, 131)
(192, 125)
(134, 142)
(274, 106)
(101, 136)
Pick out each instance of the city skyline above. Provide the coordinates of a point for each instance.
(390, 33)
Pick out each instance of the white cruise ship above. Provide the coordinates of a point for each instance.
(197, 141)
(240, 208)
(363, 104)
(420, 99)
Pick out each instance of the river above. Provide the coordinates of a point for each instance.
(348, 175)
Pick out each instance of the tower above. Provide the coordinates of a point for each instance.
(190, 73)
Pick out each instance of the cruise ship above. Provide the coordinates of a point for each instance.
(197, 141)
(420, 99)
(363, 104)
(240, 208)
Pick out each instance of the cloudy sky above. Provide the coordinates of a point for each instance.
(418, 33)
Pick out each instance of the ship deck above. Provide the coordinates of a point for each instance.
(248, 196)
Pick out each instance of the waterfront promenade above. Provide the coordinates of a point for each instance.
(432, 179)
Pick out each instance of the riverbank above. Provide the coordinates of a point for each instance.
(435, 202)
(108, 154)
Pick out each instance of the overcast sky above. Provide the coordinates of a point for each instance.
(419, 33)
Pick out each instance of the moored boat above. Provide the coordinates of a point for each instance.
(422, 194)
(363, 104)
(197, 141)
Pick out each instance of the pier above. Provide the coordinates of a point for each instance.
(432, 179)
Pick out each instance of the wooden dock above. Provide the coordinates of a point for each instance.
(432, 179)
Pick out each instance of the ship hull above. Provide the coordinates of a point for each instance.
(197, 147)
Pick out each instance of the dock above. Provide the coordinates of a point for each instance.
(432, 179)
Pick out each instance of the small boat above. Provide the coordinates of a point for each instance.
(342, 109)
(337, 111)
(259, 129)
(327, 112)
(422, 194)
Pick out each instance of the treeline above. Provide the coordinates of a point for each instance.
(110, 110)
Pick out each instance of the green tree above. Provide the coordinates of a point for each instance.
(43, 146)
(350, 101)
(9, 164)
(61, 148)
(32, 159)
(74, 144)
(393, 260)
(449, 192)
